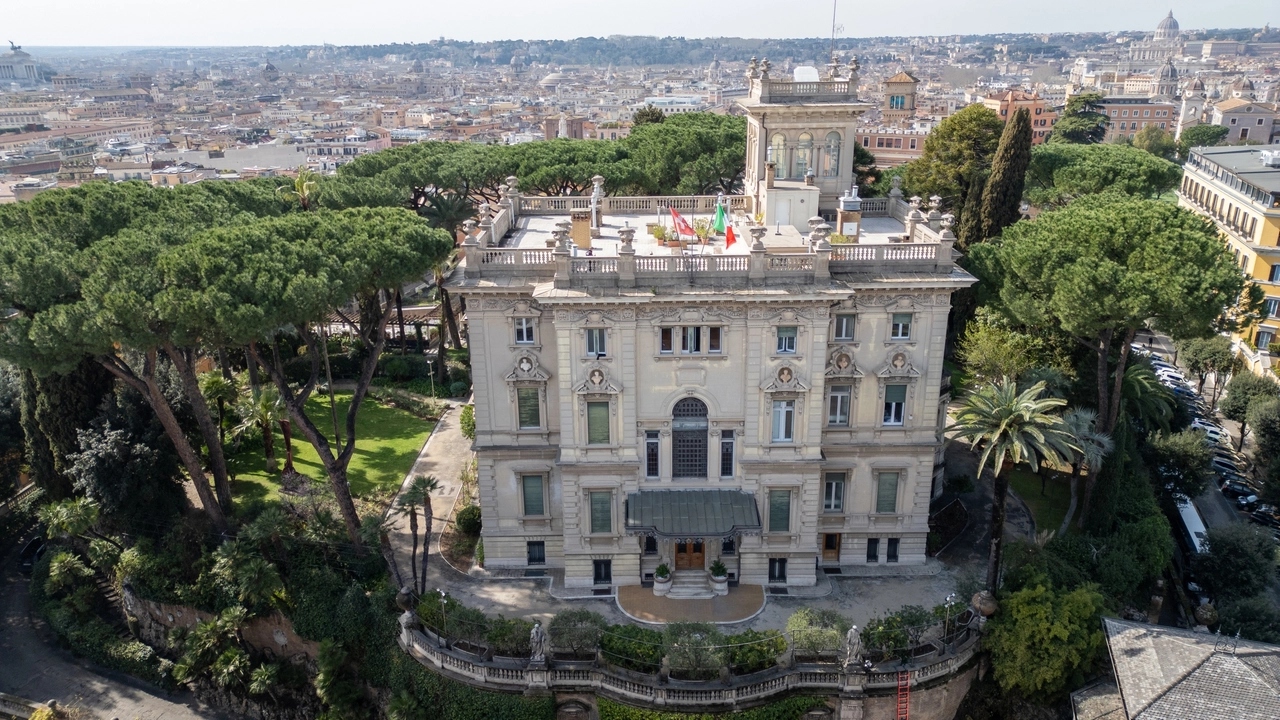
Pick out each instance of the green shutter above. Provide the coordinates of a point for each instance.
(895, 393)
(598, 423)
(527, 400)
(601, 512)
(887, 493)
(533, 504)
(779, 510)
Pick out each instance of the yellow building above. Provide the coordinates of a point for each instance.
(1239, 189)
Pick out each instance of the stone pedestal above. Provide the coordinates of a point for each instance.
(539, 678)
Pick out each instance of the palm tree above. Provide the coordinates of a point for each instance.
(76, 517)
(418, 494)
(1091, 447)
(220, 390)
(262, 410)
(304, 188)
(375, 530)
(1015, 427)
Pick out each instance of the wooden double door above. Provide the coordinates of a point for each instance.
(689, 555)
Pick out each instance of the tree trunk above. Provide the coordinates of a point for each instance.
(446, 309)
(269, 445)
(1103, 349)
(427, 520)
(1001, 490)
(286, 430)
(404, 339)
(150, 389)
(1071, 508)
(1244, 428)
(222, 415)
(384, 542)
(1090, 481)
(222, 363)
(442, 367)
(254, 382)
(413, 552)
(328, 376)
(1117, 385)
(204, 419)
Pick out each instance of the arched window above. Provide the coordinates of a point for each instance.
(778, 154)
(804, 155)
(689, 439)
(831, 157)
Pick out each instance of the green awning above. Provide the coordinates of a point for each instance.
(692, 513)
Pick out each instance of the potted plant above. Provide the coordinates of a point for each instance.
(662, 580)
(659, 233)
(719, 578)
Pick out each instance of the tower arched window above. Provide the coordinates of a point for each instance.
(804, 155)
(831, 155)
(778, 154)
(689, 439)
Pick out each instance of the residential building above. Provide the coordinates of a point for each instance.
(1131, 114)
(1043, 116)
(892, 146)
(900, 97)
(1245, 120)
(1239, 189)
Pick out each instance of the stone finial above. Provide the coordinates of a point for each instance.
(628, 236)
(757, 236)
(934, 202)
(818, 236)
(753, 68)
(896, 182)
(483, 212)
(503, 191)
(814, 222)
(560, 241)
(564, 226)
(597, 181)
(512, 181)
(469, 227)
(915, 202)
(765, 66)
(948, 221)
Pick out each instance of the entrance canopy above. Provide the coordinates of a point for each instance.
(692, 513)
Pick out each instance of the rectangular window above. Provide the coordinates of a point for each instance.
(901, 326)
(650, 545)
(866, 141)
(597, 423)
(1264, 339)
(891, 552)
(786, 340)
(777, 570)
(533, 502)
(691, 340)
(913, 143)
(873, 550)
(595, 342)
(726, 453)
(887, 492)
(1272, 306)
(844, 327)
(601, 512)
(779, 511)
(895, 401)
(667, 343)
(536, 552)
(713, 340)
(784, 415)
(833, 493)
(602, 572)
(524, 331)
(651, 453)
(727, 547)
(527, 408)
(838, 405)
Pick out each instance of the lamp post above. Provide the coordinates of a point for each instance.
(949, 601)
(444, 618)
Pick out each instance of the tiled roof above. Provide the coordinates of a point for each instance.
(903, 76)
(1167, 673)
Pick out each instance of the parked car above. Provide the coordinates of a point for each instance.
(30, 554)
(1229, 477)
(1265, 515)
(1247, 502)
(1236, 489)
(1224, 465)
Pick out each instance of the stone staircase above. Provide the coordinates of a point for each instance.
(690, 585)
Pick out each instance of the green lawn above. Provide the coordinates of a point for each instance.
(1048, 509)
(387, 443)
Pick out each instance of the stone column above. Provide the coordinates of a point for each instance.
(756, 268)
(822, 259)
(627, 258)
(935, 216)
(513, 193)
(471, 248)
(562, 259)
(486, 226)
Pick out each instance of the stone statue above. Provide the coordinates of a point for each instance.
(562, 131)
(852, 648)
(537, 644)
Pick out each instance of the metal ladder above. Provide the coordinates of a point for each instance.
(904, 694)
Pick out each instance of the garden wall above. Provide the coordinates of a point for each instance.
(272, 635)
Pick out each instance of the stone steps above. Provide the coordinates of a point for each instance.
(690, 585)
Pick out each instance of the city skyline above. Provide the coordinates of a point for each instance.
(147, 23)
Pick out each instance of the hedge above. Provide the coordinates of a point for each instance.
(632, 647)
(791, 708)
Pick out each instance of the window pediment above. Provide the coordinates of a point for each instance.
(524, 308)
(598, 382)
(840, 364)
(898, 364)
(785, 379)
(527, 369)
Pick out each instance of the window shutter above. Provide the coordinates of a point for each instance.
(598, 423)
(887, 493)
(601, 512)
(533, 504)
(895, 393)
(779, 510)
(527, 400)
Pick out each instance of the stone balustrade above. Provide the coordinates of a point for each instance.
(635, 205)
(729, 693)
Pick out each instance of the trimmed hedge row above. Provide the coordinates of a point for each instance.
(791, 708)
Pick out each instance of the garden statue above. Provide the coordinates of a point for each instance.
(852, 648)
(537, 644)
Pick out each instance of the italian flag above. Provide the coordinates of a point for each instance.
(720, 221)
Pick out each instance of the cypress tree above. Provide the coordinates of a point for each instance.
(39, 453)
(65, 403)
(970, 228)
(1003, 196)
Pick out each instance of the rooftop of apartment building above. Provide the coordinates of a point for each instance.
(1257, 165)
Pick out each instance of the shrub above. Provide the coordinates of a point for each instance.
(459, 374)
(468, 520)
(888, 636)
(718, 569)
(1255, 618)
(817, 631)
(467, 422)
(404, 367)
(1043, 643)
(695, 651)
(466, 624)
(509, 638)
(576, 631)
(753, 651)
(633, 648)
(458, 389)
(480, 552)
(792, 708)
(662, 572)
(424, 409)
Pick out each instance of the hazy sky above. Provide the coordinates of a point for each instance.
(342, 22)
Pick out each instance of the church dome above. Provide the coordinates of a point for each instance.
(1168, 28)
(1167, 72)
(1242, 84)
(1196, 85)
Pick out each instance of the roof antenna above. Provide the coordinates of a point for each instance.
(833, 27)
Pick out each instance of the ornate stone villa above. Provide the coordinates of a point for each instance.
(777, 404)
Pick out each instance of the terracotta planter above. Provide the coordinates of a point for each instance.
(661, 586)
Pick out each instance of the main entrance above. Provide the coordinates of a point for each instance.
(689, 555)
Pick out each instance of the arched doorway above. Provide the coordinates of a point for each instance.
(689, 439)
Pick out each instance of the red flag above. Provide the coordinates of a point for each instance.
(682, 227)
(729, 239)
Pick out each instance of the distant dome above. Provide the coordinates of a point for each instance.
(1167, 72)
(1168, 28)
(1195, 85)
(1243, 83)
(554, 79)
(416, 67)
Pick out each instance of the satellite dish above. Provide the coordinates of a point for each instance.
(806, 73)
